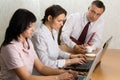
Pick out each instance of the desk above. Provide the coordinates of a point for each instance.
(109, 69)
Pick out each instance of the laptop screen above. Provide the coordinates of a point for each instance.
(88, 76)
(105, 47)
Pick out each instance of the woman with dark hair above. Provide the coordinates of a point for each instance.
(45, 40)
(17, 54)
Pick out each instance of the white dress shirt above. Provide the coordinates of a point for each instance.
(47, 47)
(74, 25)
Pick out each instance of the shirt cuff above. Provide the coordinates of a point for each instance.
(61, 63)
(72, 45)
(67, 55)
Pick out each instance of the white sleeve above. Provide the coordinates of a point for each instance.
(98, 34)
(63, 54)
(66, 32)
(41, 49)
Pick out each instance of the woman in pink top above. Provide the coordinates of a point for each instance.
(17, 54)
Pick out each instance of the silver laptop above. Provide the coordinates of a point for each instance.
(96, 61)
(105, 47)
(86, 67)
(88, 76)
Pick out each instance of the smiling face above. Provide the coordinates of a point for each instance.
(94, 13)
(58, 21)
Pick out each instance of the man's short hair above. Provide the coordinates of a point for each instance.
(99, 4)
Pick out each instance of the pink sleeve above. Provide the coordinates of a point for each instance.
(11, 57)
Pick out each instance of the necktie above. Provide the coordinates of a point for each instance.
(82, 37)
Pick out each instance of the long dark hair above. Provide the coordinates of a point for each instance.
(54, 11)
(19, 22)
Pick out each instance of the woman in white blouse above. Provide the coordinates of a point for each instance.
(17, 55)
(45, 40)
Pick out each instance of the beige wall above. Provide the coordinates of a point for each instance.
(111, 15)
(8, 7)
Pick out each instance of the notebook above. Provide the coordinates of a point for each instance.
(88, 76)
(87, 66)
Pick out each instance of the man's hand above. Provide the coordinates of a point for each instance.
(79, 49)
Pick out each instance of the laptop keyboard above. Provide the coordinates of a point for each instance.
(81, 77)
(81, 67)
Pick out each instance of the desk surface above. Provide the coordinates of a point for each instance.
(109, 69)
